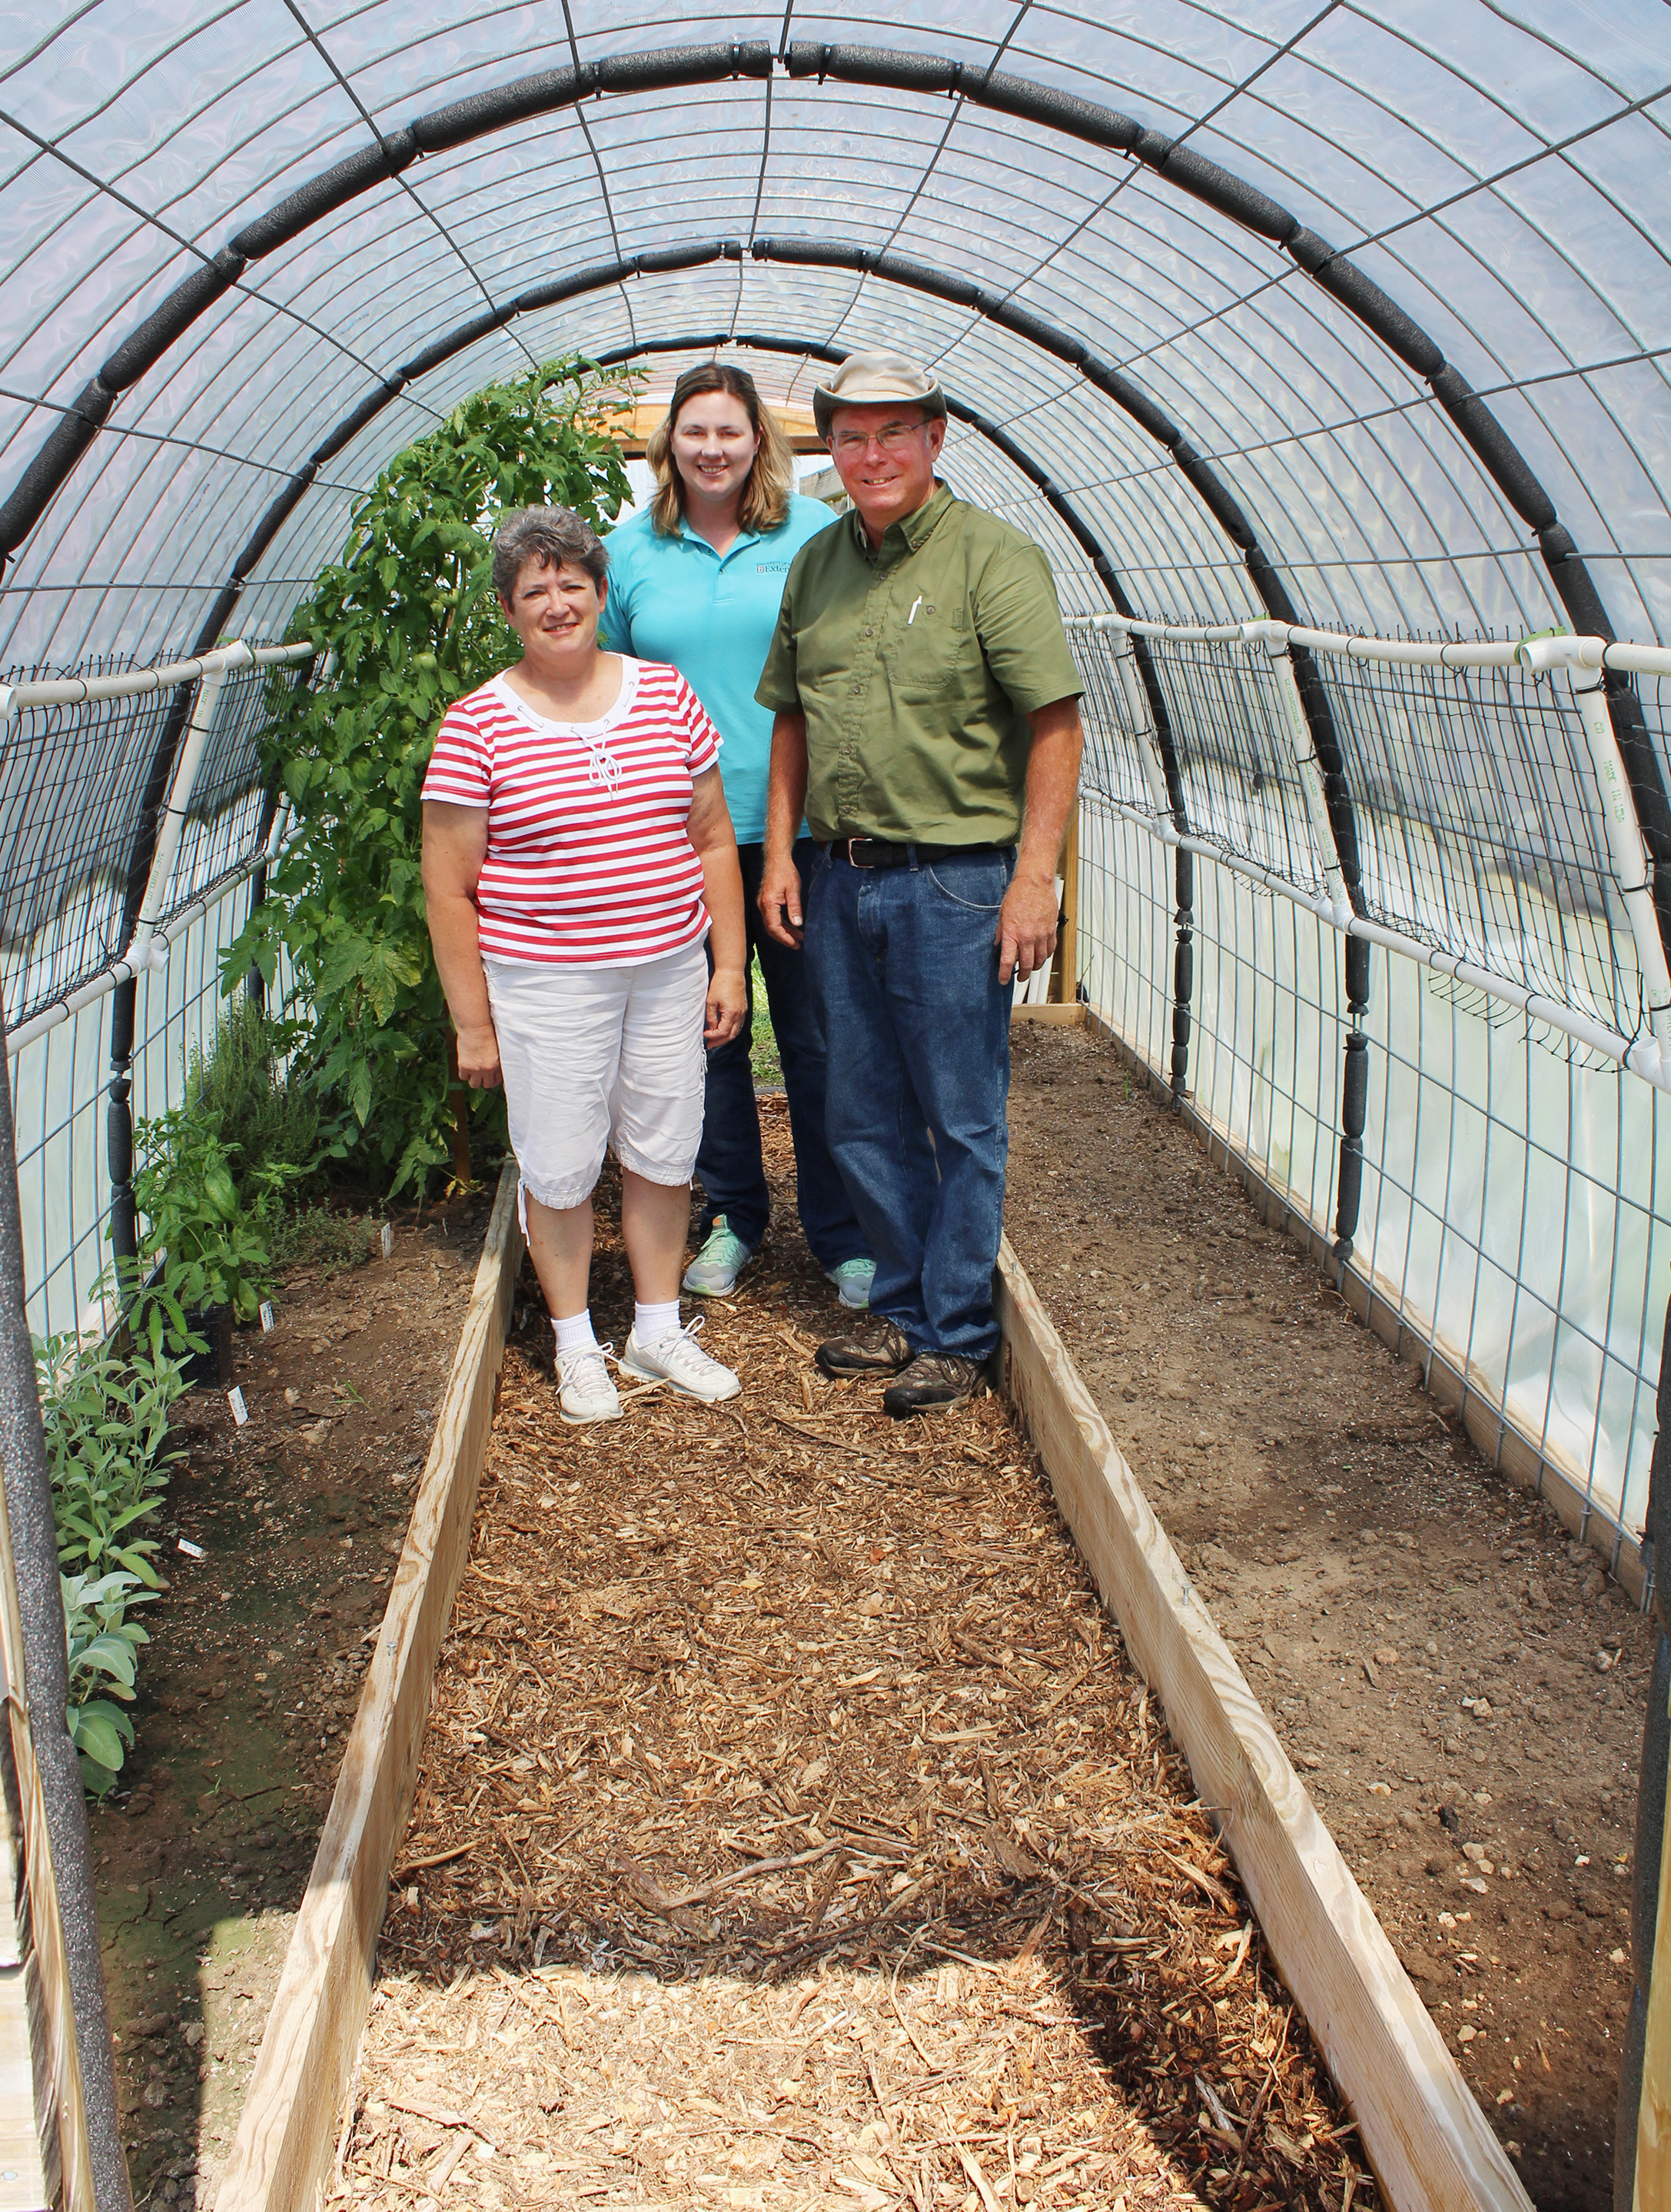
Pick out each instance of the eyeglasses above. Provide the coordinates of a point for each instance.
(893, 438)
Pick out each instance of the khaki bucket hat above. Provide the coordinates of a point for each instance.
(876, 380)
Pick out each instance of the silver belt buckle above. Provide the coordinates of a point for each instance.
(853, 860)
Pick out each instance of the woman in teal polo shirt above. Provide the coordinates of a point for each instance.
(697, 579)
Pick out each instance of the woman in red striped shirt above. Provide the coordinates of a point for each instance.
(577, 852)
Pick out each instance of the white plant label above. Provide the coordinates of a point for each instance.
(388, 1240)
(269, 1318)
(240, 1411)
(192, 1551)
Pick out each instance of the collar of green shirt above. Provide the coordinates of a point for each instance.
(908, 533)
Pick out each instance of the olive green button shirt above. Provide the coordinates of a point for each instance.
(916, 663)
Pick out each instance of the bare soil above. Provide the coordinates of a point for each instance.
(791, 1831)
(1460, 1685)
(247, 1687)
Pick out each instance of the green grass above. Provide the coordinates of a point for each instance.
(768, 1069)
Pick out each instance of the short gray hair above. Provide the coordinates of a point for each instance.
(549, 536)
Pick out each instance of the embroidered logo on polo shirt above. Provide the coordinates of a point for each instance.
(771, 568)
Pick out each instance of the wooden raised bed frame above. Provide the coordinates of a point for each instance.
(286, 2130)
(1430, 2145)
(1426, 2138)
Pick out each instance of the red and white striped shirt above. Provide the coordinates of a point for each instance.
(589, 852)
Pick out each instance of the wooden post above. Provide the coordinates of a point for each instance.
(53, 2018)
(1653, 2123)
(29, 2152)
(1064, 969)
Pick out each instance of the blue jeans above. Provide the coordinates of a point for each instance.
(728, 1164)
(905, 970)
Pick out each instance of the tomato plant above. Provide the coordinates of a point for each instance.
(409, 621)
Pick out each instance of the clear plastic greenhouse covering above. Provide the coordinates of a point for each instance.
(1343, 320)
(1302, 239)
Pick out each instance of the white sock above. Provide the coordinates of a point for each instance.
(575, 1334)
(652, 1324)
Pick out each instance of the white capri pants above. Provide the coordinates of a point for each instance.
(593, 1056)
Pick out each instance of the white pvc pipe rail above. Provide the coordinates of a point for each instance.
(148, 946)
(136, 682)
(1533, 654)
(1648, 1056)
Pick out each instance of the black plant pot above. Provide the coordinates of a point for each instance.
(210, 1368)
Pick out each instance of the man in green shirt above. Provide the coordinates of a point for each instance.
(927, 719)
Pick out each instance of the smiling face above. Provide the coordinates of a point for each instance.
(554, 611)
(713, 448)
(885, 456)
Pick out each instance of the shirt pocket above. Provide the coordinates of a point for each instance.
(935, 657)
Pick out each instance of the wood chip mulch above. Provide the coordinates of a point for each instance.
(792, 1830)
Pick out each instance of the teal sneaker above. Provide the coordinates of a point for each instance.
(713, 1273)
(852, 1280)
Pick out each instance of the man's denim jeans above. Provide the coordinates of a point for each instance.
(905, 969)
(728, 1166)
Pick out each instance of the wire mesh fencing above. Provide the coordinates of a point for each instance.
(1125, 901)
(60, 1097)
(1237, 769)
(134, 814)
(73, 779)
(1458, 834)
(232, 805)
(1512, 1225)
(1479, 826)
(1513, 1220)
(1114, 765)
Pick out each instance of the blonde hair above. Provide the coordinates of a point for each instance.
(765, 492)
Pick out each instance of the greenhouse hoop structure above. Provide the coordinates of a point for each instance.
(1323, 352)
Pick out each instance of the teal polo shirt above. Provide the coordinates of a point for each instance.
(714, 616)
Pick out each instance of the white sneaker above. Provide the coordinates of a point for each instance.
(585, 1393)
(679, 1359)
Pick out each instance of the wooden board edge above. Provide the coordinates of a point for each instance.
(1052, 1013)
(287, 2129)
(1423, 2134)
(29, 2145)
(1652, 2186)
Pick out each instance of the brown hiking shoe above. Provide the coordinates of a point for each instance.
(878, 1349)
(934, 1382)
